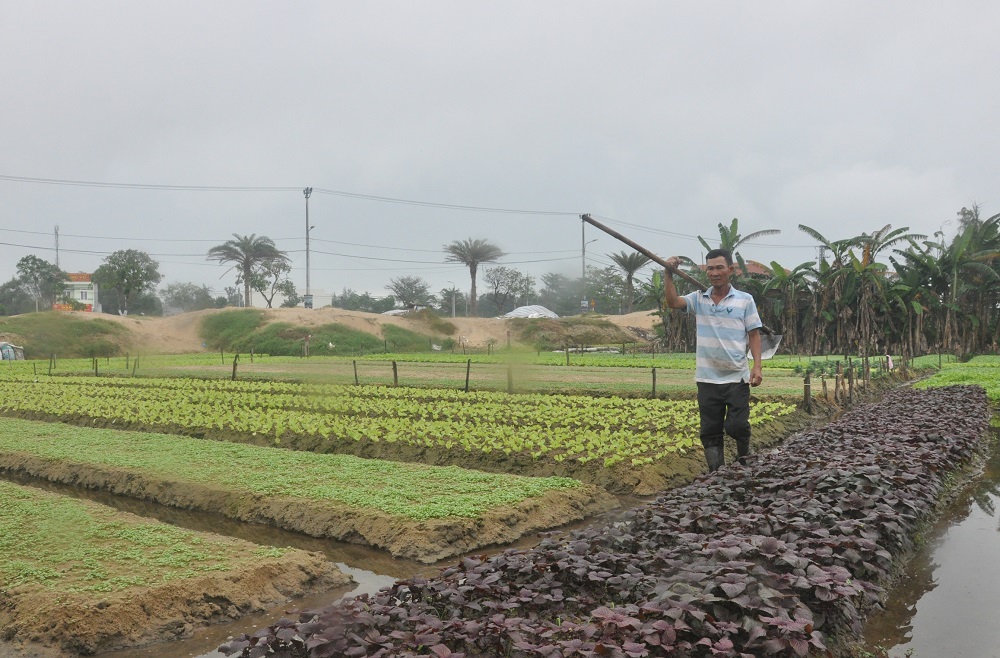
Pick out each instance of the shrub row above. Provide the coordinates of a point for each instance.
(764, 559)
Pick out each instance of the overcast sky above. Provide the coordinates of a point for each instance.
(666, 118)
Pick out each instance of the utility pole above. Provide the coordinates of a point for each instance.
(584, 306)
(57, 245)
(307, 301)
(452, 298)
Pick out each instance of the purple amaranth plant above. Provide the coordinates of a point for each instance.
(765, 559)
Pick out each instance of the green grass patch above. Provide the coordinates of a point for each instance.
(286, 339)
(435, 322)
(398, 339)
(246, 329)
(552, 334)
(411, 491)
(221, 331)
(65, 545)
(67, 336)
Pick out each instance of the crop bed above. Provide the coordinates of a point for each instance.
(83, 577)
(623, 445)
(416, 511)
(771, 558)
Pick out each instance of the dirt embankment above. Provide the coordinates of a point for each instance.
(178, 334)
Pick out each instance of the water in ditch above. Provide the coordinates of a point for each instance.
(945, 603)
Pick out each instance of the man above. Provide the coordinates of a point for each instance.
(727, 322)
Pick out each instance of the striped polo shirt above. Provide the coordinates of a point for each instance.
(721, 354)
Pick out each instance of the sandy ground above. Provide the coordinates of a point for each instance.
(179, 333)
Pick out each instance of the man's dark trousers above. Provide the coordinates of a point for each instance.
(724, 409)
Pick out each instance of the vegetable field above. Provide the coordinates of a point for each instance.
(424, 472)
(599, 440)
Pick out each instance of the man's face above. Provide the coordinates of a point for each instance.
(718, 271)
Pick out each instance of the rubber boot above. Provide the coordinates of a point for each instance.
(716, 458)
(742, 451)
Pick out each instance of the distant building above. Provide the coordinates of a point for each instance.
(80, 289)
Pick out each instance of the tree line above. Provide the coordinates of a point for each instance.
(885, 291)
(933, 294)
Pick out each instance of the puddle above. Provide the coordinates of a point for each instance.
(946, 601)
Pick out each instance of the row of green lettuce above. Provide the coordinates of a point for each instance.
(578, 429)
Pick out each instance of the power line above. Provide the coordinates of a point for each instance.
(145, 186)
(428, 262)
(429, 251)
(686, 236)
(448, 206)
(250, 188)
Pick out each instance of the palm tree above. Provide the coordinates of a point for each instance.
(247, 253)
(472, 253)
(835, 305)
(970, 257)
(872, 245)
(790, 290)
(629, 264)
(730, 239)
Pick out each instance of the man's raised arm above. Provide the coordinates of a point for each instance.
(670, 296)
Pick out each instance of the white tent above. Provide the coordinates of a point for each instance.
(531, 312)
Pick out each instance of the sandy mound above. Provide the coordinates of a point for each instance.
(178, 334)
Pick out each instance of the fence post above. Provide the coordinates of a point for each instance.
(654, 381)
(95, 366)
(850, 381)
(127, 364)
(510, 377)
(807, 393)
(251, 355)
(355, 372)
(567, 355)
(236, 359)
(395, 374)
(222, 354)
(468, 369)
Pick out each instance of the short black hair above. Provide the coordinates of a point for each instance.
(724, 253)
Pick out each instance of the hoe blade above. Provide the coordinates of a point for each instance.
(768, 345)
